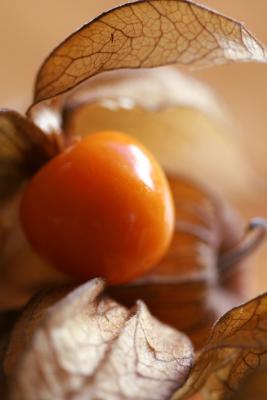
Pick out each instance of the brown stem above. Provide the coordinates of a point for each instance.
(253, 237)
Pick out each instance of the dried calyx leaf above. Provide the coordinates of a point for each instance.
(180, 120)
(89, 346)
(149, 89)
(22, 271)
(23, 149)
(200, 277)
(253, 387)
(146, 34)
(236, 348)
(136, 35)
(7, 321)
(253, 237)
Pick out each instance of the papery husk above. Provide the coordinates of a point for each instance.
(254, 386)
(22, 271)
(188, 289)
(7, 321)
(234, 353)
(178, 118)
(87, 346)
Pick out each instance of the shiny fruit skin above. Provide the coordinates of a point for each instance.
(101, 208)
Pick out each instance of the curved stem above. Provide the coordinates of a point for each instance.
(253, 237)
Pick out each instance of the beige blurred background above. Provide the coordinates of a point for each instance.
(29, 29)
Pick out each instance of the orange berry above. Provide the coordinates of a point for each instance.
(101, 208)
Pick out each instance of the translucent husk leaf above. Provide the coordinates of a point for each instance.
(203, 273)
(176, 136)
(157, 119)
(22, 271)
(87, 346)
(152, 90)
(7, 321)
(253, 387)
(144, 34)
(23, 149)
(236, 348)
(179, 119)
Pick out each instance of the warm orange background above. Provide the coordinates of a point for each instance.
(29, 29)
